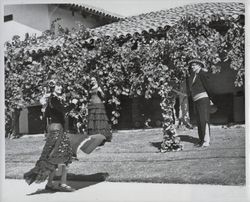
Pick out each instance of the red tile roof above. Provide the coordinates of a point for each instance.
(163, 18)
(156, 20)
(97, 11)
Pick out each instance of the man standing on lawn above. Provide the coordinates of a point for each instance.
(199, 90)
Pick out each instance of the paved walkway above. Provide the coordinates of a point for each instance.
(18, 190)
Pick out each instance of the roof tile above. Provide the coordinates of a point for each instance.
(162, 18)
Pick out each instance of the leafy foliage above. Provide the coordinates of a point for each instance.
(141, 65)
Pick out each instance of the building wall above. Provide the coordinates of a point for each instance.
(70, 20)
(35, 16)
(231, 99)
(13, 28)
(223, 82)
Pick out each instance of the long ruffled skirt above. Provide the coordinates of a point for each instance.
(98, 121)
(57, 150)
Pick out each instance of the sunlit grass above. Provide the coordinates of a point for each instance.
(134, 156)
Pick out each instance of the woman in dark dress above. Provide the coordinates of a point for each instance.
(57, 150)
(97, 118)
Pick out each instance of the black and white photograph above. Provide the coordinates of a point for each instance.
(124, 101)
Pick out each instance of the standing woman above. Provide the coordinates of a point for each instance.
(97, 117)
(57, 150)
(201, 96)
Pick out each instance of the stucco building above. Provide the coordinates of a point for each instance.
(134, 113)
(36, 18)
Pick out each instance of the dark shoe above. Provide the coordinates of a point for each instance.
(199, 144)
(51, 188)
(74, 157)
(65, 188)
(103, 142)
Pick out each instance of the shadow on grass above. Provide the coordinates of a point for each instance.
(188, 138)
(184, 138)
(156, 144)
(77, 182)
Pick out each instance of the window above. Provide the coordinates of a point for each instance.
(8, 18)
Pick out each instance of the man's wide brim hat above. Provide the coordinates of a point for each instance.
(198, 61)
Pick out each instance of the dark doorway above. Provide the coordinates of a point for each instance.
(125, 119)
(35, 123)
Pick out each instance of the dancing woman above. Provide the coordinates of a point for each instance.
(97, 117)
(57, 150)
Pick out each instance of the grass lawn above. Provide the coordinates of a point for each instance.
(133, 156)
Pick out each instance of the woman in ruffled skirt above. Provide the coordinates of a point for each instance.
(57, 151)
(98, 122)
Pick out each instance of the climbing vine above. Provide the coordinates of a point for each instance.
(139, 66)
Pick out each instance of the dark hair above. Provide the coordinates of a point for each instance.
(98, 80)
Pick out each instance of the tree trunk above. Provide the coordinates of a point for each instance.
(171, 142)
